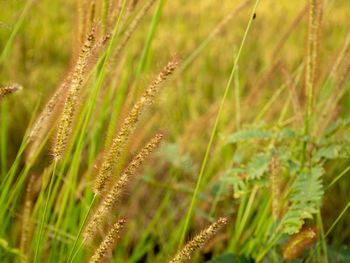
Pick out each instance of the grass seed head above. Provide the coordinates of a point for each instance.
(275, 186)
(113, 196)
(71, 103)
(9, 89)
(106, 244)
(199, 241)
(119, 142)
(297, 242)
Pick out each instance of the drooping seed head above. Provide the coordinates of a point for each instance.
(115, 193)
(199, 241)
(127, 128)
(106, 244)
(297, 242)
(71, 103)
(46, 113)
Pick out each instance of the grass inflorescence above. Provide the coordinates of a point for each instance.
(250, 124)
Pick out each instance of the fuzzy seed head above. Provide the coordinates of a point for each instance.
(9, 89)
(298, 242)
(127, 128)
(275, 186)
(115, 193)
(46, 113)
(106, 244)
(199, 241)
(71, 103)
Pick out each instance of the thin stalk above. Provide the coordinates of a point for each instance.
(224, 22)
(17, 26)
(269, 246)
(71, 255)
(3, 139)
(242, 223)
(323, 239)
(204, 163)
(237, 101)
(144, 56)
(337, 178)
(310, 67)
(42, 221)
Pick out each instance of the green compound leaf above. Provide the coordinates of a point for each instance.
(306, 194)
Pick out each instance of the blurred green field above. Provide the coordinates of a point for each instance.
(262, 121)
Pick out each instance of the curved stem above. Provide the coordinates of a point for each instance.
(205, 160)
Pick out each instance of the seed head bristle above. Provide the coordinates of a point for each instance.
(114, 194)
(298, 242)
(46, 112)
(129, 31)
(106, 7)
(9, 89)
(106, 244)
(28, 203)
(275, 186)
(92, 14)
(312, 52)
(119, 142)
(65, 123)
(199, 241)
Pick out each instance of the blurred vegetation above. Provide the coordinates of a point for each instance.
(259, 122)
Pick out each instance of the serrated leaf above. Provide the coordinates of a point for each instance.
(334, 126)
(306, 194)
(287, 133)
(258, 165)
(330, 152)
(251, 134)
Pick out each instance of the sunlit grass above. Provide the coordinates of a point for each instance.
(254, 123)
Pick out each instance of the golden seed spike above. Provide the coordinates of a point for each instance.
(119, 142)
(199, 241)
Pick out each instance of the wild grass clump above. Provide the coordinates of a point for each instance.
(251, 124)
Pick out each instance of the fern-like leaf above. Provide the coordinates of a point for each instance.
(306, 195)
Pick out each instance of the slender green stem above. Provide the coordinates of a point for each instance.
(322, 237)
(337, 178)
(145, 52)
(71, 255)
(269, 246)
(241, 224)
(237, 101)
(6, 51)
(3, 139)
(42, 221)
(205, 160)
(212, 35)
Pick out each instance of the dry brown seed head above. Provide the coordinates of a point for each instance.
(71, 103)
(297, 242)
(199, 241)
(106, 244)
(114, 194)
(9, 89)
(119, 142)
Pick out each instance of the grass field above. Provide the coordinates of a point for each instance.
(174, 131)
